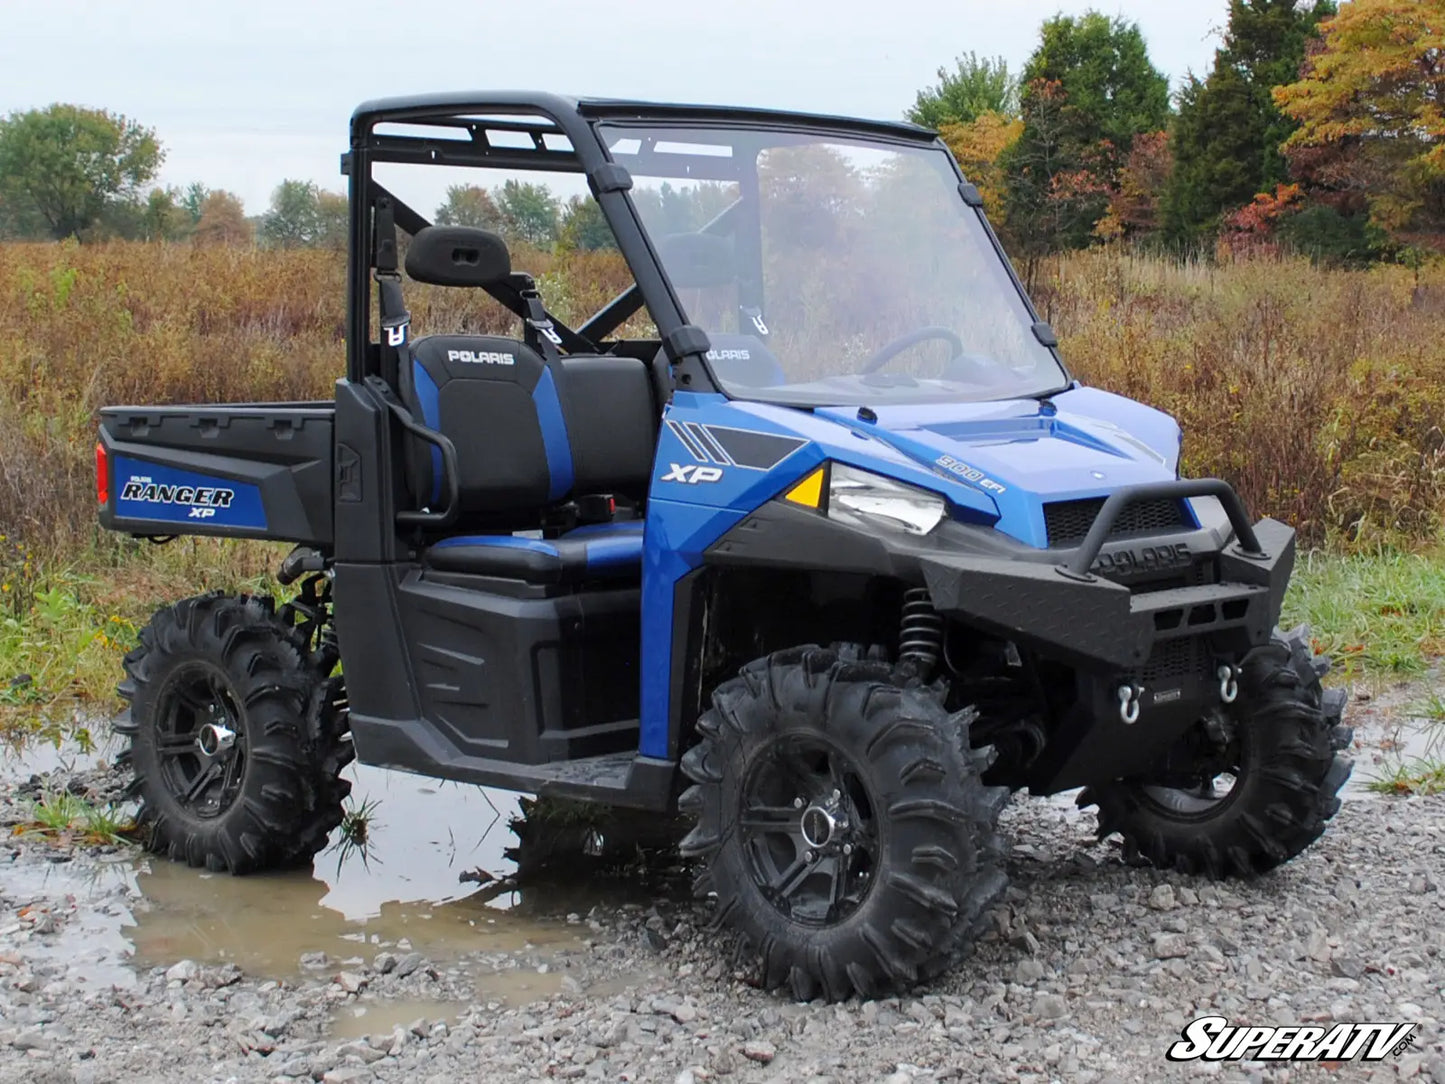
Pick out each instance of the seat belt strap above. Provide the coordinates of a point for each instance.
(395, 320)
(539, 333)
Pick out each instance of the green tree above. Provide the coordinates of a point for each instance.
(529, 213)
(292, 220)
(469, 205)
(976, 86)
(163, 216)
(1226, 137)
(1089, 90)
(584, 227)
(194, 200)
(65, 166)
(302, 215)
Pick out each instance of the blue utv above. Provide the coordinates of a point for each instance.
(807, 532)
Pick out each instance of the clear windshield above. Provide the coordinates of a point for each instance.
(832, 271)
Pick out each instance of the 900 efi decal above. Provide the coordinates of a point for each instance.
(151, 491)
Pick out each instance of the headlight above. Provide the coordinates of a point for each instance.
(862, 499)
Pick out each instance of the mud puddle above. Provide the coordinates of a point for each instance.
(436, 875)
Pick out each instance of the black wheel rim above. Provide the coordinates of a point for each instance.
(200, 740)
(1218, 784)
(809, 831)
(1200, 802)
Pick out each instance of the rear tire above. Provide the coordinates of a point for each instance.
(1286, 768)
(236, 737)
(843, 825)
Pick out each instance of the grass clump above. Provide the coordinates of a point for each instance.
(353, 836)
(67, 816)
(1418, 775)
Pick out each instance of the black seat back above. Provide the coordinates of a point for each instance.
(525, 439)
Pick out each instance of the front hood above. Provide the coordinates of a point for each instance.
(1023, 453)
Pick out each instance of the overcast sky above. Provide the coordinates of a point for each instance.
(245, 93)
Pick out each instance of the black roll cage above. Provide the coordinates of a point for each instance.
(517, 130)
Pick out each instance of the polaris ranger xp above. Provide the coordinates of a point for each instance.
(807, 532)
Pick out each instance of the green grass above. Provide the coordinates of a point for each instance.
(1377, 615)
(65, 629)
(64, 814)
(1419, 775)
(354, 836)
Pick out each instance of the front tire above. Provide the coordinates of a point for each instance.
(845, 831)
(236, 737)
(1283, 768)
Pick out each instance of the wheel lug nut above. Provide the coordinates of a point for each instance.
(837, 794)
(797, 803)
(808, 856)
(847, 848)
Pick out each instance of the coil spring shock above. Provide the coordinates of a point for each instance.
(920, 633)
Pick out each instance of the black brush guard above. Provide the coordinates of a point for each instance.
(1145, 660)
(1068, 611)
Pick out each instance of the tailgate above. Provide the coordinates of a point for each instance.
(249, 470)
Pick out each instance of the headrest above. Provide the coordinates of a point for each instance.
(457, 256)
(697, 260)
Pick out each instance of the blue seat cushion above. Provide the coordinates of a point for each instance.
(601, 551)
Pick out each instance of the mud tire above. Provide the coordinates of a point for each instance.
(939, 863)
(290, 722)
(1291, 772)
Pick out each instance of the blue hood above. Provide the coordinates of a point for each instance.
(1023, 453)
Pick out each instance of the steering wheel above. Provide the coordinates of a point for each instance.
(913, 338)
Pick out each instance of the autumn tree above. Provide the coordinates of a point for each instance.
(222, 220)
(65, 167)
(1226, 138)
(977, 86)
(332, 220)
(1134, 206)
(469, 205)
(978, 146)
(1089, 90)
(1370, 105)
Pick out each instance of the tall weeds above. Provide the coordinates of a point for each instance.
(1320, 394)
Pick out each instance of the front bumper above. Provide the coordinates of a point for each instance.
(1070, 611)
(1093, 621)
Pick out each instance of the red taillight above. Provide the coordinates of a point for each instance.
(102, 474)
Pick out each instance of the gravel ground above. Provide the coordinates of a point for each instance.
(1087, 973)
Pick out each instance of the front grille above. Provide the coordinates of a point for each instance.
(1172, 660)
(1068, 522)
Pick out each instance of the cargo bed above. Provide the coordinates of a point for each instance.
(249, 470)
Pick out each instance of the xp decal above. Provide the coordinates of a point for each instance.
(148, 491)
(692, 474)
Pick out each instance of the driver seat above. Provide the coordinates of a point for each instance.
(528, 436)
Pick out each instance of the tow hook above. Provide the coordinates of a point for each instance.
(1129, 700)
(1228, 682)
